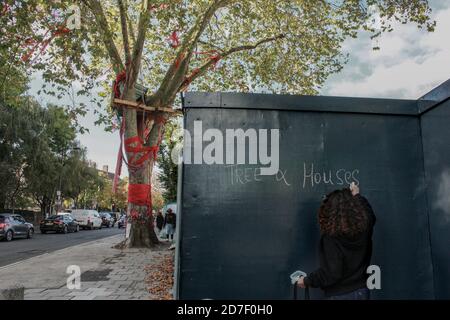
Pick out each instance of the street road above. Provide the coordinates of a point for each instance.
(20, 249)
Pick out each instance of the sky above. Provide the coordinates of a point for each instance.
(410, 63)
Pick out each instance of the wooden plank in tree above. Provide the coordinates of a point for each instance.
(133, 104)
(164, 109)
(137, 105)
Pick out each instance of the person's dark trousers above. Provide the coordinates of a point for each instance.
(360, 294)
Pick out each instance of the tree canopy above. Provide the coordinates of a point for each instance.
(277, 46)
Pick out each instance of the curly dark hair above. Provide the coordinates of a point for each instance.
(342, 214)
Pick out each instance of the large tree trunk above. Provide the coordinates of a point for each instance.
(142, 233)
(44, 204)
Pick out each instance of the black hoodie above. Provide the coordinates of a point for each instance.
(344, 260)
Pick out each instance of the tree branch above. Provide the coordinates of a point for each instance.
(135, 62)
(207, 44)
(179, 68)
(202, 70)
(108, 40)
(130, 25)
(203, 23)
(124, 27)
(253, 46)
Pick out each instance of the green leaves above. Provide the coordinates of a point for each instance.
(39, 154)
(169, 170)
(314, 32)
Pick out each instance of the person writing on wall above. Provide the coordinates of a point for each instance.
(346, 222)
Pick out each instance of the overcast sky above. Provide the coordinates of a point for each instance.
(410, 63)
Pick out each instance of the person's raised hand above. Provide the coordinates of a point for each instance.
(301, 282)
(354, 189)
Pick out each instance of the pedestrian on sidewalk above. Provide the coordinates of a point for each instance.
(159, 221)
(170, 223)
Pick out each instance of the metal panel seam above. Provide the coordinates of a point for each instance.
(427, 204)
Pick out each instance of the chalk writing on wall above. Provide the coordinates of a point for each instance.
(311, 176)
(243, 175)
(340, 177)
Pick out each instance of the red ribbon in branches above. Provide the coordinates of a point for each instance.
(214, 56)
(122, 76)
(189, 79)
(5, 9)
(178, 60)
(174, 40)
(162, 6)
(60, 30)
(215, 59)
(158, 120)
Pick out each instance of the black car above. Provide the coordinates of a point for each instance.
(122, 222)
(107, 219)
(59, 224)
(14, 225)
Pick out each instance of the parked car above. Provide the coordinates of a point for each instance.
(59, 224)
(87, 219)
(62, 213)
(14, 225)
(107, 219)
(122, 223)
(115, 216)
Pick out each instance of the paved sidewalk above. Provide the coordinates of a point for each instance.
(106, 273)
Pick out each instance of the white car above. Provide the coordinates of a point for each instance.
(63, 213)
(87, 219)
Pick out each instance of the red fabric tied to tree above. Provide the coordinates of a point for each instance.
(122, 76)
(135, 146)
(140, 195)
(178, 60)
(5, 9)
(134, 214)
(59, 31)
(139, 148)
(215, 59)
(119, 160)
(213, 56)
(174, 40)
(162, 6)
(116, 87)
